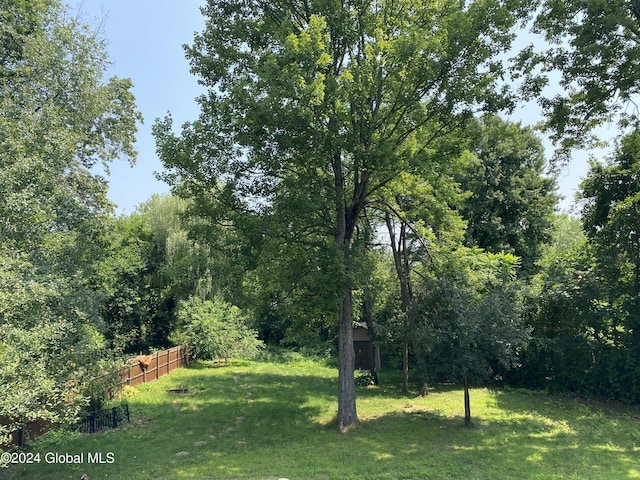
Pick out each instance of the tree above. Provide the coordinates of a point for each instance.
(611, 211)
(122, 274)
(58, 118)
(55, 92)
(420, 211)
(511, 202)
(584, 301)
(611, 220)
(327, 102)
(470, 318)
(178, 265)
(594, 47)
(157, 258)
(562, 307)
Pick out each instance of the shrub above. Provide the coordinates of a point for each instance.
(365, 379)
(216, 330)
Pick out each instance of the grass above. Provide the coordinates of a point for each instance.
(268, 420)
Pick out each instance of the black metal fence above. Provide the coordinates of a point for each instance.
(103, 419)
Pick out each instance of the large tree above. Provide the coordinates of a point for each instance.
(58, 118)
(610, 197)
(584, 306)
(511, 201)
(314, 106)
(611, 220)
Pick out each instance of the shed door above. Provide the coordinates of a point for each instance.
(363, 362)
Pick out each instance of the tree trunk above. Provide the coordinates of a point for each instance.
(467, 404)
(405, 364)
(423, 384)
(367, 312)
(347, 415)
(402, 270)
(345, 225)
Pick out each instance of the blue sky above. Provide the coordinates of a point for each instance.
(145, 39)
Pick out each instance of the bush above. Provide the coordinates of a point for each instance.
(102, 383)
(216, 330)
(365, 379)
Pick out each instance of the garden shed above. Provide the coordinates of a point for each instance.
(365, 355)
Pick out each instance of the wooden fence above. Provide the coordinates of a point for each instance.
(141, 369)
(147, 368)
(18, 437)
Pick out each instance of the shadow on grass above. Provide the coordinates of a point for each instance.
(571, 434)
(520, 438)
(267, 424)
(515, 435)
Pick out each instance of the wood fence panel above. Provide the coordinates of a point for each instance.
(135, 375)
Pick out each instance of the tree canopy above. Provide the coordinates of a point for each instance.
(511, 201)
(611, 208)
(594, 49)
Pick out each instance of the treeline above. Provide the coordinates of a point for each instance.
(343, 170)
(583, 304)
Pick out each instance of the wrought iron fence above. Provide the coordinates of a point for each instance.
(103, 419)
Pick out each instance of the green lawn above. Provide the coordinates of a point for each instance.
(268, 420)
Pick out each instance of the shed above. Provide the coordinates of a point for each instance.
(362, 348)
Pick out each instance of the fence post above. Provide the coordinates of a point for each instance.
(157, 365)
